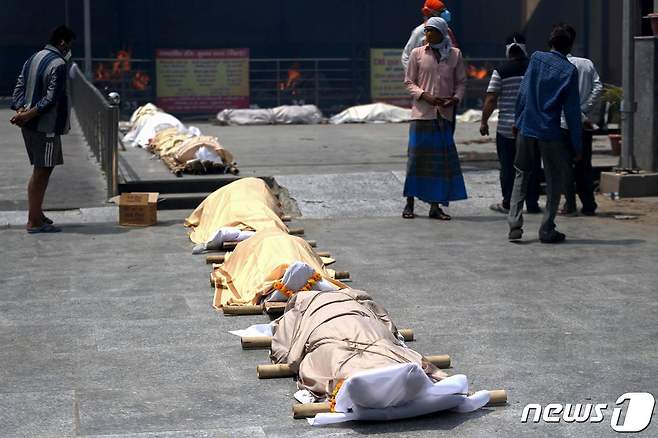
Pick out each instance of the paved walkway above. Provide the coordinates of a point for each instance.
(311, 149)
(109, 331)
(78, 183)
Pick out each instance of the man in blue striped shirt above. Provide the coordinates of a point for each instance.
(549, 87)
(502, 92)
(42, 112)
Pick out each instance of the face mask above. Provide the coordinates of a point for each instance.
(446, 16)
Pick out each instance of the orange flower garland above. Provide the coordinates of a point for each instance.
(278, 285)
(332, 400)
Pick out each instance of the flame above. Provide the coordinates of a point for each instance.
(476, 73)
(122, 64)
(140, 80)
(101, 74)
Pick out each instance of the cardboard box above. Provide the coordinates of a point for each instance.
(138, 209)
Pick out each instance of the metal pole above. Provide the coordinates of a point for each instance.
(628, 81)
(317, 85)
(112, 165)
(587, 14)
(87, 27)
(66, 13)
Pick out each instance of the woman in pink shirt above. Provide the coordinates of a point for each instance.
(436, 80)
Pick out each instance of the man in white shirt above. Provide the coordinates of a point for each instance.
(431, 8)
(582, 179)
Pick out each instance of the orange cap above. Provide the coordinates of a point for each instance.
(432, 7)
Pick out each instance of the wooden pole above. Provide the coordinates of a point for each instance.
(219, 258)
(274, 371)
(441, 361)
(242, 310)
(407, 334)
(295, 231)
(232, 245)
(215, 259)
(286, 218)
(279, 370)
(275, 306)
(265, 342)
(342, 275)
(308, 410)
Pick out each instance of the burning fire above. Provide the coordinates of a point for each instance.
(121, 70)
(294, 75)
(122, 64)
(477, 73)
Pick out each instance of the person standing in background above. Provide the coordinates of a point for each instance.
(431, 8)
(549, 87)
(581, 181)
(42, 112)
(436, 81)
(502, 92)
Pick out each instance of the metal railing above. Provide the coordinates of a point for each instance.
(99, 120)
(328, 83)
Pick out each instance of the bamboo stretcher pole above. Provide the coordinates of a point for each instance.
(232, 245)
(286, 218)
(242, 310)
(295, 231)
(275, 371)
(308, 410)
(342, 275)
(219, 258)
(265, 342)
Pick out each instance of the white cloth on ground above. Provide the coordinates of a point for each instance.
(280, 115)
(295, 278)
(372, 113)
(224, 234)
(140, 135)
(254, 330)
(399, 391)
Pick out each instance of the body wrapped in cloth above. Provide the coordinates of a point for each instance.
(269, 265)
(345, 348)
(247, 204)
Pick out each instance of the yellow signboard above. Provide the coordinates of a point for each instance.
(202, 80)
(387, 77)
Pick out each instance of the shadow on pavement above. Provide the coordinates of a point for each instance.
(620, 242)
(430, 422)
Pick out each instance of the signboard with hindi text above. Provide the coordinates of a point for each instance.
(200, 81)
(387, 77)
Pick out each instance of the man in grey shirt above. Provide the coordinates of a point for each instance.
(42, 113)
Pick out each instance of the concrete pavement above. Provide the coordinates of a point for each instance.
(109, 331)
(78, 183)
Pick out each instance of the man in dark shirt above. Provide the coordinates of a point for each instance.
(42, 113)
(502, 92)
(549, 87)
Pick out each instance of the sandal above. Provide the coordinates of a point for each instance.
(408, 213)
(46, 219)
(45, 228)
(437, 213)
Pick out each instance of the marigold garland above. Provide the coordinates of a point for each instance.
(278, 285)
(332, 400)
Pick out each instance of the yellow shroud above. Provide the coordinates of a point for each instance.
(247, 204)
(249, 272)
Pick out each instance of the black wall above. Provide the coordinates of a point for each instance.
(270, 28)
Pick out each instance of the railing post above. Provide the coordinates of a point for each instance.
(112, 135)
(317, 84)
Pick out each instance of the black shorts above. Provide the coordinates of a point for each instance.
(44, 150)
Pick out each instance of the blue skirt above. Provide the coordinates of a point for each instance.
(433, 170)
